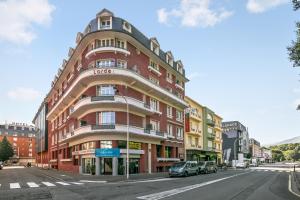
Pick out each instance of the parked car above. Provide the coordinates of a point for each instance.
(253, 164)
(184, 169)
(1, 165)
(206, 167)
(241, 165)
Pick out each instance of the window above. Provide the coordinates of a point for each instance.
(105, 24)
(106, 118)
(169, 112)
(190, 140)
(209, 117)
(196, 142)
(179, 132)
(209, 130)
(168, 152)
(179, 116)
(15, 139)
(120, 44)
(155, 125)
(106, 90)
(209, 144)
(154, 80)
(105, 63)
(126, 26)
(154, 65)
(154, 104)
(106, 144)
(169, 77)
(122, 64)
(170, 130)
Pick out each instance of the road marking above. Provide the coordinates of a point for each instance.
(87, 181)
(266, 170)
(168, 193)
(63, 183)
(259, 170)
(290, 187)
(76, 183)
(280, 171)
(14, 186)
(48, 184)
(32, 185)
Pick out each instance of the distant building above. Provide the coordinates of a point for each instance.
(22, 138)
(266, 155)
(235, 141)
(254, 148)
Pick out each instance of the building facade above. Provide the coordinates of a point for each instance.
(41, 145)
(235, 141)
(116, 80)
(22, 138)
(203, 133)
(254, 148)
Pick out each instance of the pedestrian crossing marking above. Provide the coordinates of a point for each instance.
(32, 185)
(48, 184)
(14, 186)
(76, 183)
(63, 183)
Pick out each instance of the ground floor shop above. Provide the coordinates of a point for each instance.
(200, 155)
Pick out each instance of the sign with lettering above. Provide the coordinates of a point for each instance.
(135, 145)
(105, 152)
(82, 152)
(103, 71)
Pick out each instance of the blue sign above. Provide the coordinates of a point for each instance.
(115, 152)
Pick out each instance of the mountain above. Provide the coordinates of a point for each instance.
(288, 141)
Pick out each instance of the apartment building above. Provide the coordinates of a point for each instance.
(22, 138)
(116, 80)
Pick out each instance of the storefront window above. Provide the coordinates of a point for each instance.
(158, 150)
(122, 144)
(168, 151)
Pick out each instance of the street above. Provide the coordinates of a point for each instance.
(250, 184)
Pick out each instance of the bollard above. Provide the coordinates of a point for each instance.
(294, 168)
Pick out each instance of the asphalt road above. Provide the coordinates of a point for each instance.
(34, 184)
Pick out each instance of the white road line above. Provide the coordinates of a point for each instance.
(266, 170)
(63, 183)
(280, 171)
(153, 180)
(32, 185)
(87, 181)
(172, 192)
(258, 170)
(14, 186)
(48, 184)
(290, 187)
(76, 183)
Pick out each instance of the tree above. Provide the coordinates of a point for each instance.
(294, 49)
(6, 150)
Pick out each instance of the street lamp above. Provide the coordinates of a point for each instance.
(127, 134)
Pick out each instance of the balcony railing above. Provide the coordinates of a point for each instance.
(103, 126)
(211, 135)
(156, 132)
(210, 122)
(103, 98)
(108, 48)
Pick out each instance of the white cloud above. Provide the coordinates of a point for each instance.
(23, 94)
(193, 13)
(259, 6)
(18, 16)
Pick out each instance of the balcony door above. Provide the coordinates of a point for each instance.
(106, 118)
(105, 90)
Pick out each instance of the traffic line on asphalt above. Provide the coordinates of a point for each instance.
(14, 186)
(87, 181)
(32, 185)
(63, 183)
(168, 193)
(152, 180)
(48, 184)
(77, 183)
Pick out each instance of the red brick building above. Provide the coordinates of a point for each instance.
(22, 139)
(114, 66)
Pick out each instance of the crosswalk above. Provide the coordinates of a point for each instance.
(271, 170)
(17, 185)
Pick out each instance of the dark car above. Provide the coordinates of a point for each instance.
(184, 169)
(1, 165)
(206, 167)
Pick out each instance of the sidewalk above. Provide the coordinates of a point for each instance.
(295, 183)
(68, 176)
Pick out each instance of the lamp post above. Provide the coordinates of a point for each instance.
(127, 134)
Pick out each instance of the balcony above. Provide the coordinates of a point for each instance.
(218, 127)
(210, 122)
(193, 147)
(195, 116)
(101, 103)
(195, 131)
(210, 148)
(108, 49)
(179, 86)
(211, 136)
(112, 129)
(154, 70)
(108, 74)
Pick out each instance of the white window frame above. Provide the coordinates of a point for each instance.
(169, 111)
(154, 104)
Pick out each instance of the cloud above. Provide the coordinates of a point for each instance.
(194, 13)
(195, 75)
(23, 94)
(17, 18)
(259, 6)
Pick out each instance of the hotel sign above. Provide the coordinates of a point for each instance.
(135, 145)
(83, 152)
(103, 71)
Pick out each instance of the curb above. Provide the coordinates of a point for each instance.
(294, 185)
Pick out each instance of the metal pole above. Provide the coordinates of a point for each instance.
(127, 150)
(234, 152)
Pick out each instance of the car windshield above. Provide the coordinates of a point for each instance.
(180, 164)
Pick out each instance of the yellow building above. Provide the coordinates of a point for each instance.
(203, 133)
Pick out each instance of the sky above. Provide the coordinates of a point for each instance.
(234, 53)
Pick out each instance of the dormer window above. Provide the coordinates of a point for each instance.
(104, 19)
(169, 58)
(179, 67)
(126, 26)
(105, 24)
(154, 46)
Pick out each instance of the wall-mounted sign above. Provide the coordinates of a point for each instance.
(135, 145)
(103, 71)
(83, 152)
(114, 152)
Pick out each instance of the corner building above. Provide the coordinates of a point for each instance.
(114, 66)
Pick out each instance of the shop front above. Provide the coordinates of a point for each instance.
(87, 160)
